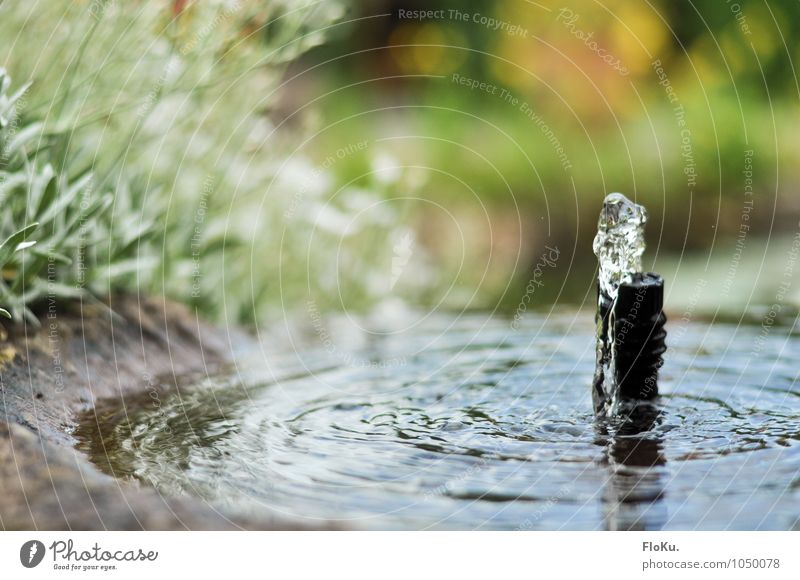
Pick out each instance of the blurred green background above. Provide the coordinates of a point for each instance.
(690, 108)
(280, 158)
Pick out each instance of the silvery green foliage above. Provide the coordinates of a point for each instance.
(58, 240)
(161, 123)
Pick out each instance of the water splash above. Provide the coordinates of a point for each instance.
(619, 243)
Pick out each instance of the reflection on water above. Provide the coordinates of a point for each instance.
(635, 487)
(475, 425)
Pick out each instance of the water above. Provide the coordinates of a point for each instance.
(619, 243)
(630, 321)
(473, 425)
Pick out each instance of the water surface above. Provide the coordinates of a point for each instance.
(469, 424)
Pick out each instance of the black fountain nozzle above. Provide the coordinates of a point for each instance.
(631, 341)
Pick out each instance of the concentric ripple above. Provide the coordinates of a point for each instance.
(471, 424)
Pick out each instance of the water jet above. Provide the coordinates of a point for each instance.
(630, 318)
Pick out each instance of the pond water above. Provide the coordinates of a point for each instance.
(468, 423)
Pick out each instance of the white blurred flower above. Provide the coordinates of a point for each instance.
(330, 219)
(300, 175)
(386, 168)
(260, 131)
(402, 251)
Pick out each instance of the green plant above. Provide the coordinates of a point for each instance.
(60, 239)
(132, 112)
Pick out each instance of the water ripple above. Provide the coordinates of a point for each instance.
(481, 427)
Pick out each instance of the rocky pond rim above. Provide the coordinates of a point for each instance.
(82, 354)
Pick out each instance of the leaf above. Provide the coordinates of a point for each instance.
(61, 290)
(81, 218)
(22, 137)
(12, 181)
(79, 183)
(9, 104)
(220, 243)
(49, 194)
(38, 190)
(135, 237)
(63, 202)
(124, 267)
(12, 243)
(20, 91)
(18, 237)
(24, 245)
(54, 256)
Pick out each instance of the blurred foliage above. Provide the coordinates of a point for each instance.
(737, 89)
(708, 91)
(165, 110)
(53, 229)
(230, 158)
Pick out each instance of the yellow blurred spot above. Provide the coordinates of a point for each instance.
(427, 48)
(734, 51)
(637, 30)
(764, 32)
(704, 62)
(514, 61)
(7, 354)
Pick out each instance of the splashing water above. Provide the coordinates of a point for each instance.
(619, 243)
